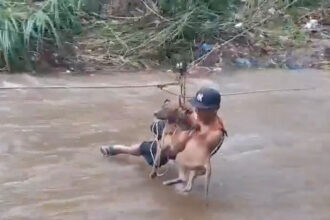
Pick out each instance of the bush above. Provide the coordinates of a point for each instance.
(26, 27)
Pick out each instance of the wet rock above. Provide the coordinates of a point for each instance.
(271, 63)
(202, 49)
(292, 62)
(206, 48)
(293, 65)
(243, 63)
(327, 54)
(255, 63)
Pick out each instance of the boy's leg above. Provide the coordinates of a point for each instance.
(147, 149)
(121, 149)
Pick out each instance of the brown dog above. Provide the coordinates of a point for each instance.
(190, 147)
(177, 130)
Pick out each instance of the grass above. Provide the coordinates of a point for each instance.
(171, 36)
(25, 27)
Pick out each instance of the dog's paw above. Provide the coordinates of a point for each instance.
(186, 189)
(169, 182)
(166, 183)
(172, 182)
(152, 175)
(181, 192)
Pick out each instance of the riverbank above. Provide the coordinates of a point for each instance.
(87, 36)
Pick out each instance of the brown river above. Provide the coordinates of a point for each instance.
(274, 164)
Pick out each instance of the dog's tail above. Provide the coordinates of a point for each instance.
(207, 179)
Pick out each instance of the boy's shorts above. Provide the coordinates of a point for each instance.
(148, 149)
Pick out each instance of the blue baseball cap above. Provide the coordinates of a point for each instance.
(206, 99)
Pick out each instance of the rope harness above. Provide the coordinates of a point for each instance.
(218, 146)
(158, 144)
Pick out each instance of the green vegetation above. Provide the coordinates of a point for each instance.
(169, 30)
(163, 30)
(27, 27)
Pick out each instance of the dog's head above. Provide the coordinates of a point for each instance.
(174, 113)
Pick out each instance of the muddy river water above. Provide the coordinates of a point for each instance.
(274, 164)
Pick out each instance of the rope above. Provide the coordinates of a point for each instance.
(182, 82)
(182, 95)
(162, 86)
(250, 92)
(218, 146)
(269, 91)
(157, 144)
(156, 85)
